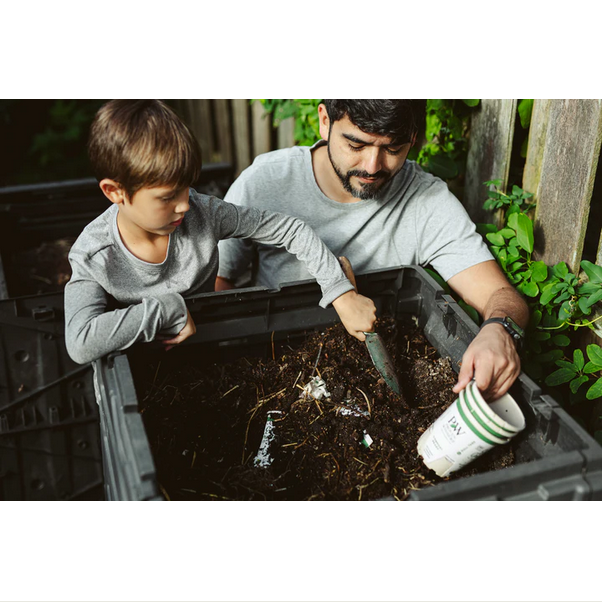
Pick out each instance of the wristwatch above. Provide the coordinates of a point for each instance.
(512, 328)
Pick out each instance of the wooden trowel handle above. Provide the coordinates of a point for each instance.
(348, 271)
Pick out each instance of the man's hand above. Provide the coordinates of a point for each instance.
(188, 330)
(358, 313)
(222, 284)
(491, 359)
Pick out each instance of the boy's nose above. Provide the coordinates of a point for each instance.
(183, 206)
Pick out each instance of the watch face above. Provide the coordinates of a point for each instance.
(514, 327)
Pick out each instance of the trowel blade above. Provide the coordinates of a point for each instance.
(382, 360)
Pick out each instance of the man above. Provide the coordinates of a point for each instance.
(358, 192)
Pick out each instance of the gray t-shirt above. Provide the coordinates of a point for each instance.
(104, 268)
(417, 221)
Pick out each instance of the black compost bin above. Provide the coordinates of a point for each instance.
(555, 459)
(49, 422)
(39, 222)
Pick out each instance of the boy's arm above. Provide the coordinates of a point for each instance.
(91, 332)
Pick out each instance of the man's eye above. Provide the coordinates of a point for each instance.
(356, 148)
(394, 151)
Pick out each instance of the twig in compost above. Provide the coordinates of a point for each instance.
(367, 400)
(164, 492)
(297, 379)
(230, 391)
(273, 354)
(157, 372)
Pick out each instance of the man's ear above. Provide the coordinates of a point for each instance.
(323, 121)
(113, 191)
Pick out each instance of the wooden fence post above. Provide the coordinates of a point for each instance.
(242, 134)
(261, 130)
(224, 129)
(566, 179)
(490, 147)
(286, 133)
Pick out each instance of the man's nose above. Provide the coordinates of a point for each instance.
(372, 161)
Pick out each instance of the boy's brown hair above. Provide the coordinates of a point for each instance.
(141, 143)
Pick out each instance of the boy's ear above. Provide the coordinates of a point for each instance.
(113, 191)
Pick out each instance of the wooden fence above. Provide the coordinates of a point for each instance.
(234, 130)
(561, 166)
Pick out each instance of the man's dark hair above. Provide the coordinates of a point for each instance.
(397, 119)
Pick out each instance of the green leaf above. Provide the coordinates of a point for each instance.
(536, 317)
(595, 354)
(516, 190)
(578, 358)
(438, 278)
(588, 288)
(524, 232)
(508, 233)
(560, 270)
(593, 271)
(542, 336)
(484, 229)
(593, 299)
(530, 289)
(513, 220)
(590, 368)
(540, 271)
(547, 294)
(551, 356)
(525, 108)
(565, 311)
(595, 390)
(577, 382)
(584, 306)
(496, 183)
(567, 365)
(564, 375)
(496, 239)
(471, 103)
(561, 340)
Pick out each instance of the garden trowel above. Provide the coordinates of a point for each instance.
(376, 347)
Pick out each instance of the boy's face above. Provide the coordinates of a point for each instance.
(157, 210)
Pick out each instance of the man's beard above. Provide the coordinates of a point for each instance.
(368, 190)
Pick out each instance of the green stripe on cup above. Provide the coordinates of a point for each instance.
(471, 427)
(474, 399)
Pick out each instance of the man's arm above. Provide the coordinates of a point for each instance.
(491, 359)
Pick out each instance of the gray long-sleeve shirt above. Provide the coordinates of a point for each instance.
(104, 268)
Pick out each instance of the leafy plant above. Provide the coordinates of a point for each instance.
(304, 112)
(525, 109)
(558, 299)
(444, 153)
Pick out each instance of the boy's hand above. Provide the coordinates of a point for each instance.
(358, 313)
(188, 330)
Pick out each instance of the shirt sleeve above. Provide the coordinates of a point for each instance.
(447, 238)
(236, 254)
(299, 239)
(92, 332)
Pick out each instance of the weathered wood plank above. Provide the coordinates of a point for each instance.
(568, 169)
(242, 134)
(199, 120)
(224, 129)
(261, 130)
(286, 133)
(536, 145)
(490, 147)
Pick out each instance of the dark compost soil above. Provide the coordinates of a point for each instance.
(205, 421)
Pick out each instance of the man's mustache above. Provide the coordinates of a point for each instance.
(364, 174)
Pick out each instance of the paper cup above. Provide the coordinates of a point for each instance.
(503, 412)
(465, 431)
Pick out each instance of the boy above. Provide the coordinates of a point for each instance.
(159, 239)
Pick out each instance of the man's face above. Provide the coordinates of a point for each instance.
(157, 210)
(363, 162)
